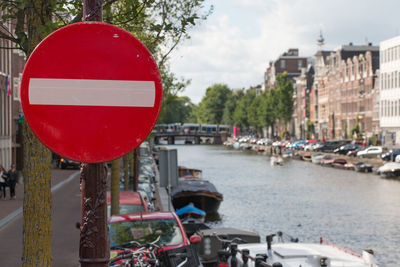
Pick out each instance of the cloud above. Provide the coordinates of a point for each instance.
(236, 43)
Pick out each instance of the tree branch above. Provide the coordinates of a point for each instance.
(164, 57)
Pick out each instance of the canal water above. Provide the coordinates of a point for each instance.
(308, 201)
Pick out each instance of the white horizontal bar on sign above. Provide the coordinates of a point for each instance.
(77, 92)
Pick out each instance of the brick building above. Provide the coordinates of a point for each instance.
(321, 70)
(11, 66)
(345, 91)
(289, 62)
(301, 104)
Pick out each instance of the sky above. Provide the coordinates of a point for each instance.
(234, 45)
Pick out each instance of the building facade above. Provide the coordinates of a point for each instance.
(321, 71)
(300, 126)
(390, 91)
(289, 62)
(11, 66)
(345, 89)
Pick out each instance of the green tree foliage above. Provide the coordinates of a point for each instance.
(179, 109)
(269, 111)
(284, 89)
(160, 24)
(311, 129)
(255, 116)
(240, 115)
(211, 107)
(230, 105)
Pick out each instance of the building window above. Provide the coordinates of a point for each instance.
(300, 64)
(16, 87)
(398, 80)
(384, 56)
(384, 81)
(283, 63)
(391, 109)
(387, 105)
(391, 80)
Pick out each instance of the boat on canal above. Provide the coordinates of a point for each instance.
(190, 212)
(201, 193)
(316, 158)
(306, 157)
(276, 161)
(363, 167)
(189, 172)
(339, 163)
(390, 169)
(307, 254)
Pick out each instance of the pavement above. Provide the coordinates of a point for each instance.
(66, 211)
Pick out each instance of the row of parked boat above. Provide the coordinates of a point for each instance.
(384, 169)
(347, 156)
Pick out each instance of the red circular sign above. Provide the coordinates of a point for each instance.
(91, 92)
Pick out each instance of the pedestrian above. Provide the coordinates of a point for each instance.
(12, 180)
(3, 182)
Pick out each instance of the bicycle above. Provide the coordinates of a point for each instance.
(146, 255)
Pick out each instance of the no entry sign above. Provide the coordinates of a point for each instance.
(91, 92)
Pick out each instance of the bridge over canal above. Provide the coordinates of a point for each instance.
(215, 138)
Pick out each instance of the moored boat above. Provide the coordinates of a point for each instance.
(316, 158)
(327, 160)
(190, 211)
(184, 171)
(363, 167)
(201, 193)
(339, 163)
(307, 254)
(390, 169)
(306, 157)
(276, 161)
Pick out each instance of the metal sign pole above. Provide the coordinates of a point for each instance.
(94, 244)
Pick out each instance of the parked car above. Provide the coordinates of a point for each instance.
(353, 153)
(313, 146)
(146, 228)
(391, 155)
(370, 152)
(328, 146)
(300, 144)
(129, 202)
(343, 150)
(264, 141)
(67, 163)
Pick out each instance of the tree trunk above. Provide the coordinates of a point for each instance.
(37, 227)
(126, 172)
(115, 182)
(136, 158)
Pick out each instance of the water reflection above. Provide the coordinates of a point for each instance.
(353, 210)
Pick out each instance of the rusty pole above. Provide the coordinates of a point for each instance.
(136, 153)
(94, 244)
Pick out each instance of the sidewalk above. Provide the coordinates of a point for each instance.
(66, 204)
(9, 206)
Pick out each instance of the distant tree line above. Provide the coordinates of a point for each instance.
(245, 109)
